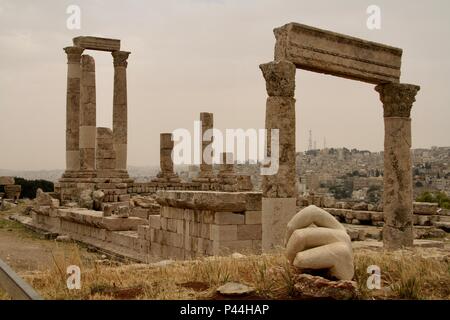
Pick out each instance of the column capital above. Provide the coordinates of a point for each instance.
(397, 98)
(73, 54)
(280, 78)
(120, 58)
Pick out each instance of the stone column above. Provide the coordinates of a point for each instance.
(87, 114)
(73, 107)
(279, 193)
(167, 173)
(397, 101)
(120, 109)
(207, 119)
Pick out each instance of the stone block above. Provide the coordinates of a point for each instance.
(175, 239)
(172, 225)
(425, 208)
(205, 231)
(253, 217)
(249, 232)
(179, 226)
(139, 212)
(163, 223)
(194, 229)
(155, 221)
(229, 218)
(6, 180)
(362, 215)
(253, 201)
(124, 197)
(224, 232)
(376, 216)
(155, 249)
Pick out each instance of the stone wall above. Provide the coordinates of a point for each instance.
(190, 224)
(200, 223)
(111, 234)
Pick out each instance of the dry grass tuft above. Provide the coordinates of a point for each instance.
(405, 275)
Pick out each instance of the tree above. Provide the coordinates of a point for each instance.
(29, 187)
(440, 198)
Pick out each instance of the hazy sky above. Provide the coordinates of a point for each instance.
(200, 55)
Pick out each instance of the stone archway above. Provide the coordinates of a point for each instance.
(303, 47)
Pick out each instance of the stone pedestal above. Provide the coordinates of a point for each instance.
(73, 107)
(12, 191)
(276, 214)
(87, 114)
(398, 190)
(279, 192)
(120, 108)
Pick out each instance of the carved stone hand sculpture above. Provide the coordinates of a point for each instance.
(317, 241)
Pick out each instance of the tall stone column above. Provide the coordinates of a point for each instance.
(120, 108)
(397, 101)
(73, 107)
(206, 169)
(87, 114)
(279, 193)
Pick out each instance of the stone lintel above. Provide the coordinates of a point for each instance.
(336, 54)
(97, 43)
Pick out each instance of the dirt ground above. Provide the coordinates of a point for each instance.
(24, 250)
